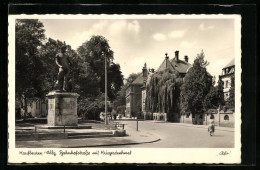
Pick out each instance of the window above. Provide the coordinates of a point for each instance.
(227, 84)
(211, 116)
(226, 95)
(226, 117)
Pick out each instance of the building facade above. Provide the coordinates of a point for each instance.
(133, 97)
(36, 107)
(227, 72)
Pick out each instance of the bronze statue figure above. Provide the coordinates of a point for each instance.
(62, 60)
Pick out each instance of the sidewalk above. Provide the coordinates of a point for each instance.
(132, 137)
(199, 126)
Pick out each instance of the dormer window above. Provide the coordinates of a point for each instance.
(232, 70)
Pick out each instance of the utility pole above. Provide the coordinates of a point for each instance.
(218, 116)
(106, 121)
(137, 122)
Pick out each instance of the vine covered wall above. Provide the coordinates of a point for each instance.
(163, 93)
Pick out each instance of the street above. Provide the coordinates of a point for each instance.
(174, 135)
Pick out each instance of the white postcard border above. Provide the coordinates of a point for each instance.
(137, 155)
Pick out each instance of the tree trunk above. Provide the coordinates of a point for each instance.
(25, 106)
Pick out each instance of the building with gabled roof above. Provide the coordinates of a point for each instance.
(174, 64)
(136, 93)
(180, 65)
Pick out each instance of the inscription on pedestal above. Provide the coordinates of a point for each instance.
(62, 109)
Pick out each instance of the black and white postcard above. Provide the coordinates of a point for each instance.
(124, 88)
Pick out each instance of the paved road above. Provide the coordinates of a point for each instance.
(177, 136)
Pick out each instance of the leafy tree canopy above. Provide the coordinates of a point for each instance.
(215, 97)
(93, 52)
(163, 93)
(29, 34)
(197, 84)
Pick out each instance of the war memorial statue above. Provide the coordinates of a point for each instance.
(62, 60)
(62, 103)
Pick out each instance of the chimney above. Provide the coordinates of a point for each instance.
(177, 55)
(145, 73)
(186, 58)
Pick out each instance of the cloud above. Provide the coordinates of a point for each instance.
(159, 36)
(134, 26)
(118, 30)
(187, 44)
(202, 27)
(177, 33)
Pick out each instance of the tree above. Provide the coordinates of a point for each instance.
(131, 78)
(215, 97)
(29, 34)
(115, 80)
(94, 52)
(163, 93)
(197, 84)
(81, 76)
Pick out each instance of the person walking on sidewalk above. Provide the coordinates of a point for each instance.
(211, 127)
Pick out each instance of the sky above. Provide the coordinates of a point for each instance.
(139, 41)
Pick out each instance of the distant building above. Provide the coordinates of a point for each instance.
(227, 72)
(133, 97)
(36, 107)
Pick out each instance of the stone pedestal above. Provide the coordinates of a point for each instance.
(62, 109)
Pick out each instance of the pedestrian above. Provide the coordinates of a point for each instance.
(114, 116)
(211, 127)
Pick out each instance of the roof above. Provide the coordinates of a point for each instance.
(231, 63)
(180, 65)
(166, 64)
(139, 80)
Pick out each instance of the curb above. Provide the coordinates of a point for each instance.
(119, 144)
